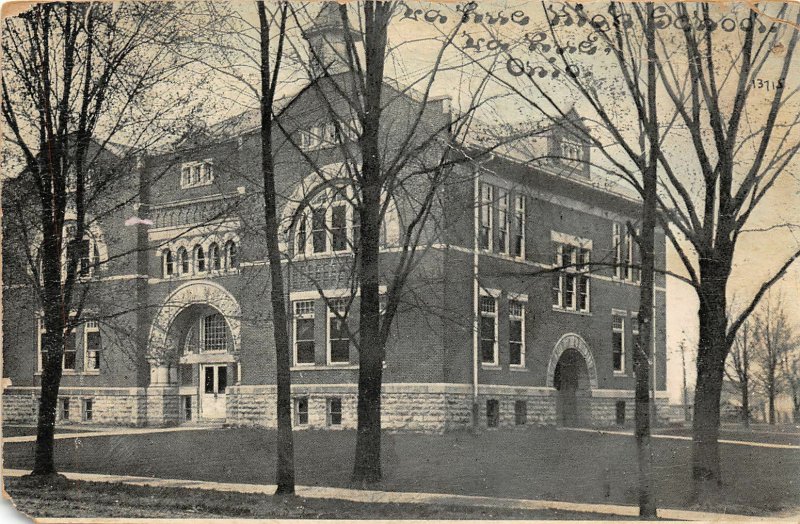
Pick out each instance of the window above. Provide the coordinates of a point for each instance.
(618, 343)
(183, 261)
(199, 259)
(570, 151)
(215, 257)
(330, 224)
(339, 227)
(70, 351)
(487, 198)
(304, 332)
(81, 250)
(42, 356)
(518, 247)
(620, 408)
(488, 308)
(338, 335)
(168, 264)
(520, 412)
(617, 245)
(187, 408)
(214, 334)
(194, 174)
(318, 230)
(503, 221)
(629, 255)
(334, 411)
(492, 413)
(231, 255)
(571, 285)
(92, 343)
(626, 255)
(301, 411)
(88, 409)
(516, 332)
(65, 409)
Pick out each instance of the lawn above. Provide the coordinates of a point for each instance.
(91, 499)
(536, 463)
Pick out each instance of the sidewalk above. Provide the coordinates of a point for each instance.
(397, 497)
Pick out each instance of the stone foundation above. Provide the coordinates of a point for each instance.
(431, 408)
(109, 406)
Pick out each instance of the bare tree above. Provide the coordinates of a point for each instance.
(74, 77)
(270, 66)
(773, 340)
(715, 124)
(738, 369)
(791, 375)
(398, 161)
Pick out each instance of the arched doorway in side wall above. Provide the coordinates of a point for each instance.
(571, 380)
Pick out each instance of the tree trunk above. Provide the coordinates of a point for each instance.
(283, 354)
(745, 406)
(367, 463)
(642, 357)
(711, 354)
(771, 395)
(367, 466)
(44, 463)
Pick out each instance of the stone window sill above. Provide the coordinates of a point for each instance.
(519, 369)
(491, 367)
(328, 367)
(572, 311)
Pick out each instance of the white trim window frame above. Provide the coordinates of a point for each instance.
(584, 297)
(303, 313)
(486, 225)
(322, 229)
(197, 173)
(337, 305)
(40, 331)
(503, 221)
(516, 315)
(635, 342)
(167, 263)
(558, 281)
(91, 354)
(488, 312)
(616, 242)
(629, 256)
(199, 258)
(617, 334)
(301, 411)
(519, 234)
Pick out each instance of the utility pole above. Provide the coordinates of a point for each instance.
(686, 415)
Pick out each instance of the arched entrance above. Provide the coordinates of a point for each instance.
(571, 379)
(572, 372)
(194, 345)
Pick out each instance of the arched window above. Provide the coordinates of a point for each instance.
(168, 267)
(183, 261)
(231, 255)
(199, 259)
(214, 333)
(329, 224)
(215, 259)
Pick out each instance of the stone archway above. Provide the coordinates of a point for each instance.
(162, 345)
(576, 342)
(572, 372)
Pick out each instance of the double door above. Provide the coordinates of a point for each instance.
(213, 383)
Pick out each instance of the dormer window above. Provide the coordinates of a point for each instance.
(195, 174)
(328, 135)
(571, 151)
